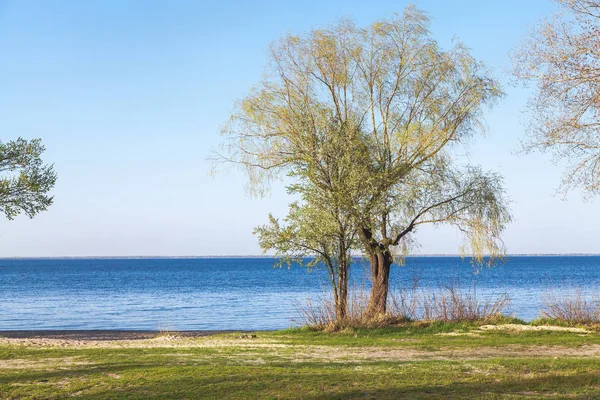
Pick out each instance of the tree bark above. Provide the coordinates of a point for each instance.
(381, 262)
(342, 295)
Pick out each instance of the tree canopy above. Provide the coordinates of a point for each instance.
(26, 180)
(562, 57)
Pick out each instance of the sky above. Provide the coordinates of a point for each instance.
(129, 97)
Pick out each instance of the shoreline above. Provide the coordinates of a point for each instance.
(108, 334)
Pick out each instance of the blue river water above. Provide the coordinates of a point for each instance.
(243, 293)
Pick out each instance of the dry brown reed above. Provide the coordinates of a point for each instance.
(451, 303)
(576, 306)
(447, 303)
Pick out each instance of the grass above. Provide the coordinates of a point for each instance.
(438, 360)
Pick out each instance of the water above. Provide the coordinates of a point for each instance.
(239, 293)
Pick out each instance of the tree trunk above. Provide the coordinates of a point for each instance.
(342, 295)
(381, 261)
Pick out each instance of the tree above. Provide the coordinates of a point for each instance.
(395, 105)
(317, 229)
(314, 233)
(26, 182)
(562, 57)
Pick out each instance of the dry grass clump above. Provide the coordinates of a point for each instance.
(452, 304)
(447, 303)
(575, 307)
(320, 313)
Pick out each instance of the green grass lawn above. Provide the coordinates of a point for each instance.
(413, 361)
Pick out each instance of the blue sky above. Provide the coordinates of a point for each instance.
(129, 96)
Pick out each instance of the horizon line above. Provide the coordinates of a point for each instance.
(272, 256)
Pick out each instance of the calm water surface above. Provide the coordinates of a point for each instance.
(240, 293)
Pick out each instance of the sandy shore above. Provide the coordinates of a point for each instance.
(103, 335)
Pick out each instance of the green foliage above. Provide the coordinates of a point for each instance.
(370, 118)
(314, 232)
(307, 231)
(27, 181)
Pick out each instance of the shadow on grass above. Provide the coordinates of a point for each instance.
(581, 386)
(156, 380)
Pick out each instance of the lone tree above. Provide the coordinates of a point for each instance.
(562, 57)
(396, 105)
(26, 181)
